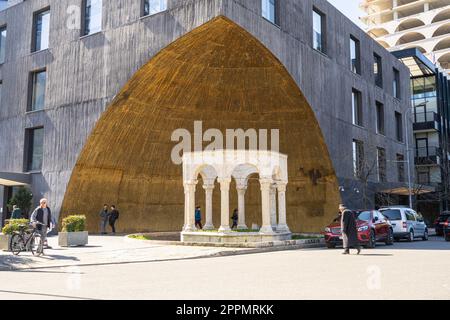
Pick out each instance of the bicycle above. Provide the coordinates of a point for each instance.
(27, 239)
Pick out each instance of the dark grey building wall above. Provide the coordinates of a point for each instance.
(84, 74)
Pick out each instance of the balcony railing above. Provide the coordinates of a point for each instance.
(428, 156)
(426, 121)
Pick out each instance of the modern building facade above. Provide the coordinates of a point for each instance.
(404, 24)
(93, 91)
(431, 123)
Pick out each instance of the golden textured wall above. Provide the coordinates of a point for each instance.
(223, 76)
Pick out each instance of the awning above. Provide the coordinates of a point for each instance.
(404, 191)
(12, 179)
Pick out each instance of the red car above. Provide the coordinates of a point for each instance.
(372, 227)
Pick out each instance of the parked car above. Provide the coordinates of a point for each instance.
(372, 227)
(446, 230)
(407, 224)
(440, 221)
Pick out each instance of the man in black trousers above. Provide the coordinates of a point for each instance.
(113, 216)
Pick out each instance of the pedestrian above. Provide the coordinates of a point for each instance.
(43, 215)
(16, 213)
(198, 217)
(235, 218)
(113, 216)
(349, 231)
(104, 217)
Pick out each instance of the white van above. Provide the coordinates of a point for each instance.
(406, 223)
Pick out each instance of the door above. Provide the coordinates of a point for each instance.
(381, 225)
(411, 222)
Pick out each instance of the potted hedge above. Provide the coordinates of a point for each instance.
(73, 231)
(11, 226)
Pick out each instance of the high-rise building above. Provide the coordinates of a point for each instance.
(404, 24)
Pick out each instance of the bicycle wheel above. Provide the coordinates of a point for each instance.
(36, 245)
(17, 244)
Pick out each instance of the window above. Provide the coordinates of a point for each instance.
(1, 92)
(34, 145)
(41, 30)
(399, 126)
(37, 94)
(378, 70)
(2, 44)
(355, 61)
(401, 167)
(319, 31)
(381, 164)
(396, 84)
(364, 216)
(357, 117)
(392, 214)
(150, 7)
(380, 117)
(423, 175)
(270, 10)
(358, 158)
(92, 16)
(410, 216)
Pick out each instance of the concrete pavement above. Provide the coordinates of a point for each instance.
(403, 271)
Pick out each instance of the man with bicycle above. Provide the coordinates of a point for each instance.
(43, 215)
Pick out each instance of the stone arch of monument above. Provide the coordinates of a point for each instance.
(219, 74)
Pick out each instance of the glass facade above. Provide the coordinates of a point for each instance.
(154, 6)
(318, 29)
(39, 80)
(92, 16)
(41, 30)
(35, 150)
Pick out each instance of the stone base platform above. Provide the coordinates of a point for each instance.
(234, 237)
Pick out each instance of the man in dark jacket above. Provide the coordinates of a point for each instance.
(113, 216)
(349, 231)
(43, 215)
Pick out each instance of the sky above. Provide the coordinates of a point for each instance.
(350, 8)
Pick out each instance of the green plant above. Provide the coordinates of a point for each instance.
(23, 199)
(74, 223)
(14, 225)
(139, 237)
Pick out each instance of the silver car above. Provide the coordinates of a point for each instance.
(406, 223)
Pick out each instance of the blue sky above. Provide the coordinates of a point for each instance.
(350, 8)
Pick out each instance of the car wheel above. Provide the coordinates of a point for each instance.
(372, 240)
(411, 236)
(331, 246)
(425, 236)
(390, 238)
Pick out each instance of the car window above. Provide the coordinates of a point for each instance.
(392, 214)
(363, 215)
(410, 216)
(380, 216)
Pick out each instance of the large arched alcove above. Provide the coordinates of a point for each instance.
(221, 75)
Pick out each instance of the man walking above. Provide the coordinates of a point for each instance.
(235, 218)
(198, 218)
(349, 231)
(113, 216)
(104, 217)
(16, 213)
(43, 215)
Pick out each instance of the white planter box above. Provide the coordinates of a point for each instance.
(72, 239)
(4, 241)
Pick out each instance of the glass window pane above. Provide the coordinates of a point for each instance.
(354, 55)
(269, 10)
(154, 6)
(2, 44)
(36, 149)
(38, 94)
(92, 16)
(317, 31)
(42, 30)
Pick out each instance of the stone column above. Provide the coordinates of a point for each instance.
(273, 206)
(265, 205)
(224, 204)
(209, 188)
(282, 223)
(241, 189)
(189, 206)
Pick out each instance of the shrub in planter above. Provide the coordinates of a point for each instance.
(7, 231)
(74, 223)
(73, 231)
